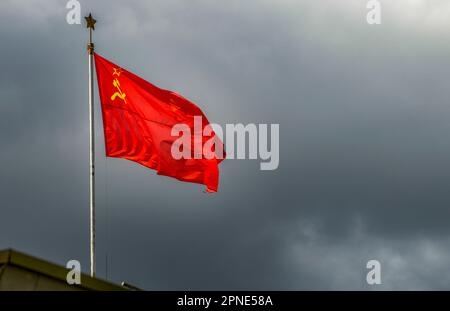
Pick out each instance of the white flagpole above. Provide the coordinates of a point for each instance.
(91, 25)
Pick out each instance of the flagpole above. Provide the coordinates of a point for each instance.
(91, 25)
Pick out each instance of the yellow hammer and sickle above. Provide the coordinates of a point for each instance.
(119, 92)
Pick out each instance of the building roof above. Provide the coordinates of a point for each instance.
(19, 271)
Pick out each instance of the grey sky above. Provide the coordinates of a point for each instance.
(364, 151)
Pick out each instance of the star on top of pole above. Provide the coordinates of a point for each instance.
(90, 22)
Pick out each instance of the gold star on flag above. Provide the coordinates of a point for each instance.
(117, 71)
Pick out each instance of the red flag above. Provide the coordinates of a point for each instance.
(138, 118)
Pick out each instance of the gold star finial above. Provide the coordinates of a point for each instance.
(90, 22)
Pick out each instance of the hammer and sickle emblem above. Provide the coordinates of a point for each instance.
(119, 92)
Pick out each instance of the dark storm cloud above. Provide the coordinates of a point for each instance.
(363, 115)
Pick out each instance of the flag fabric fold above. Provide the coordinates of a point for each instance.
(138, 119)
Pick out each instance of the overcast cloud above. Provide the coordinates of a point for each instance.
(364, 147)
